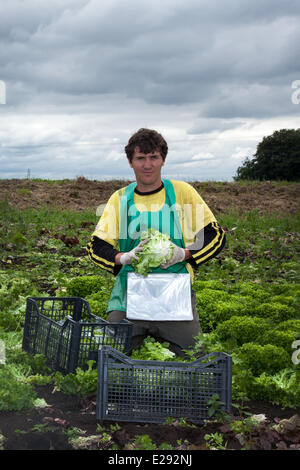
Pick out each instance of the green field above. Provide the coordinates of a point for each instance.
(248, 299)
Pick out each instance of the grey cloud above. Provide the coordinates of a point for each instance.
(195, 68)
(208, 125)
(170, 53)
(251, 101)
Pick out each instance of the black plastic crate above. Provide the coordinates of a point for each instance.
(68, 334)
(152, 391)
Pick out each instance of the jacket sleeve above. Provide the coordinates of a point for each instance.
(103, 255)
(103, 246)
(209, 243)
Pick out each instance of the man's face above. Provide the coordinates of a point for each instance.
(147, 169)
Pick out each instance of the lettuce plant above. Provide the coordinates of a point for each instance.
(243, 329)
(153, 350)
(283, 339)
(15, 393)
(158, 250)
(275, 310)
(83, 286)
(268, 358)
(282, 388)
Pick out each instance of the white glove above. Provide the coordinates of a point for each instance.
(178, 256)
(127, 257)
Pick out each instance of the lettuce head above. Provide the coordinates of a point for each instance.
(158, 250)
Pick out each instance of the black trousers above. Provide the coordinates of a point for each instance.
(180, 334)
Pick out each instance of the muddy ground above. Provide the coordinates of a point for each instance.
(82, 193)
(67, 422)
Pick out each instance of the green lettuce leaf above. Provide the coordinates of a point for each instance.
(158, 250)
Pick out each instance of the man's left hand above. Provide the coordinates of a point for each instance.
(178, 256)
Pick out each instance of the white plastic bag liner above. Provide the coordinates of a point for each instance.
(159, 297)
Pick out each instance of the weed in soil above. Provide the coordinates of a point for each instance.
(67, 423)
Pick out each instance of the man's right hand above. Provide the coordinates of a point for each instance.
(129, 256)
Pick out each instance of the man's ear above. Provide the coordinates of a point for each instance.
(129, 162)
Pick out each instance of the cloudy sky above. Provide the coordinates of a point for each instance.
(79, 77)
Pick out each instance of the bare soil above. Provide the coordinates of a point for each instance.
(266, 197)
(50, 428)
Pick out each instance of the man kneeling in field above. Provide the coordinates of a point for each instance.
(169, 206)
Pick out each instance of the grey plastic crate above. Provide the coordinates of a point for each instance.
(65, 331)
(152, 391)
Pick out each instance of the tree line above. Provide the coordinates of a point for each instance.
(277, 157)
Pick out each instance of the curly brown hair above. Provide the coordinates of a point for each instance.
(147, 141)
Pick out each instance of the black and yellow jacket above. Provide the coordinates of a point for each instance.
(202, 234)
